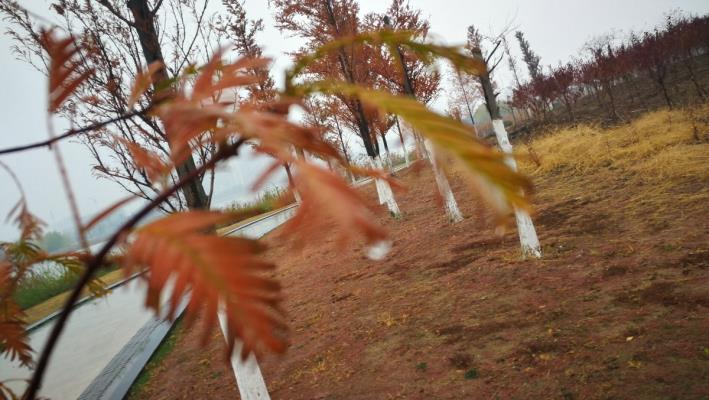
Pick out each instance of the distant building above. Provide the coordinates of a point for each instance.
(483, 122)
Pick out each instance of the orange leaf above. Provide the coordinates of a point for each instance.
(30, 226)
(327, 198)
(143, 80)
(145, 159)
(230, 75)
(275, 133)
(64, 74)
(213, 271)
(14, 342)
(56, 98)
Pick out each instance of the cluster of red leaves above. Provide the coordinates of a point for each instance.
(225, 274)
(18, 258)
(13, 338)
(65, 68)
(149, 161)
(181, 256)
(650, 52)
(326, 198)
(216, 272)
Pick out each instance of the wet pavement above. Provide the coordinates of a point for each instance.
(95, 332)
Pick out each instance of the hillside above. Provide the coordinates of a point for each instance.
(617, 308)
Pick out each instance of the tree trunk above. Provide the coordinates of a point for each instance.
(386, 196)
(525, 227)
(144, 25)
(609, 91)
(249, 379)
(342, 141)
(403, 145)
(387, 154)
(663, 89)
(444, 189)
(638, 92)
(701, 93)
(344, 149)
(291, 183)
(362, 123)
(597, 95)
(569, 109)
(467, 104)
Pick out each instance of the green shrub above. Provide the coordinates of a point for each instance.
(46, 282)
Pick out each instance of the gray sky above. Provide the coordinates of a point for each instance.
(556, 30)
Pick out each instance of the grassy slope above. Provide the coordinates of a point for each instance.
(616, 309)
(39, 286)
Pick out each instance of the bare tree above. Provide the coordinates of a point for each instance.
(119, 39)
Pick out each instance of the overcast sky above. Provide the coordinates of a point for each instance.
(556, 29)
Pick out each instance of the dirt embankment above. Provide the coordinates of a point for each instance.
(617, 308)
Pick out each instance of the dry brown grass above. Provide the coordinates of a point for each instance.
(663, 150)
(454, 313)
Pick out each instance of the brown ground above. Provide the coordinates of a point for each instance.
(616, 309)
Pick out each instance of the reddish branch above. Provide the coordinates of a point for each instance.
(73, 132)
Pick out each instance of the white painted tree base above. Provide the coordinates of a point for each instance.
(378, 186)
(525, 227)
(388, 165)
(386, 196)
(248, 375)
(444, 188)
(527, 235)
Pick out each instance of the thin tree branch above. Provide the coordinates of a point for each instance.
(189, 48)
(115, 12)
(66, 183)
(72, 132)
(156, 8)
(496, 64)
(489, 56)
(98, 260)
(14, 179)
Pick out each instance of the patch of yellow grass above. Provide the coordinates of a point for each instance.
(660, 145)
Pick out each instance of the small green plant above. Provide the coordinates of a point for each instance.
(472, 373)
(45, 283)
(422, 366)
(667, 247)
